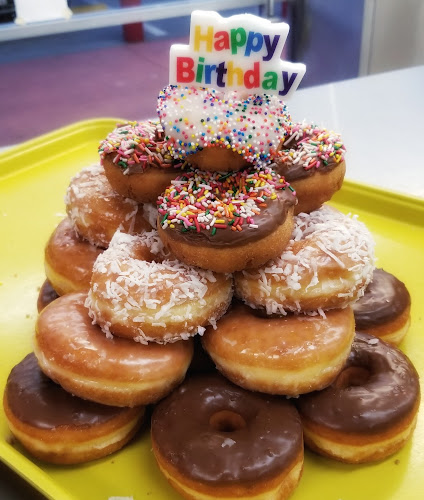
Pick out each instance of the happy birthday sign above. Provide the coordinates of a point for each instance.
(239, 52)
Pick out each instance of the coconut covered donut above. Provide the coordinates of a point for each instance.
(137, 162)
(76, 354)
(219, 131)
(97, 211)
(312, 160)
(287, 355)
(327, 264)
(57, 427)
(370, 411)
(226, 221)
(140, 291)
(69, 259)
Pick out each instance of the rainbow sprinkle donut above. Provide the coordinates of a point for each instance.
(226, 221)
(199, 122)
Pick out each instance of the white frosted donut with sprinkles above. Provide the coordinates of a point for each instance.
(312, 159)
(136, 160)
(327, 264)
(140, 291)
(228, 221)
(219, 131)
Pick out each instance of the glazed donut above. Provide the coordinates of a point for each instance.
(218, 131)
(312, 160)
(139, 291)
(212, 439)
(370, 411)
(46, 295)
(226, 222)
(58, 427)
(97, 211)
(69, 259)
(76, 354)
(136, 161)
(385, 308)
(287, 355)
(327, 264)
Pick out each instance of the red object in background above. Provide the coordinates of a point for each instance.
(132, 32)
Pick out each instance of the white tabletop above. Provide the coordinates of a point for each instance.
(381, 120)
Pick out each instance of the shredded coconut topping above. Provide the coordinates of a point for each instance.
(322, 239)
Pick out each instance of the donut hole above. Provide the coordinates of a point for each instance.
(352, 376)
(227, 421)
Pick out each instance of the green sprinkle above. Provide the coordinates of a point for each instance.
(213, 231)
(164, 218)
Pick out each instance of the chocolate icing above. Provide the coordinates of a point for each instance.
(47, 294)
(386, 395)
(269, 219)
(385, 298)
(36, 400)
(266, 437)
(295, 171)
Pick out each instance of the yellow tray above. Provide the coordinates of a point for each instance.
(33, 180)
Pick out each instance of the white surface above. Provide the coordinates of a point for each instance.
(381, 120)
(29, 11)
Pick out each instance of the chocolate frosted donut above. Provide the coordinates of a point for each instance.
(370, 411)
(46, 295)
(137, 162)
(226, 221)
(384, 310)
(58, 427)
(312, 160)
(212, 439)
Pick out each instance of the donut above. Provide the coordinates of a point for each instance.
(57, 427)
(327, 264)
(138, 291)
(212, 439)
(76, 354)
(69, 259)
(219, 131)
(97, 211)
(137, 162)
(46, 295)
(369, 412)
(385, 308)
(226, 222)
(286, 355)
(312, 161)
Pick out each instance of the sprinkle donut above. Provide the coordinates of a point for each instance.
(370, 411)
(97, 211)
(226, 221)
(327, 264)
(212, 439)
(219, 131)
(140, 291)
(312, 160)
(57, 427)
(137, 162)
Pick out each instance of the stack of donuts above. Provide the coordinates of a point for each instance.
(200, 271)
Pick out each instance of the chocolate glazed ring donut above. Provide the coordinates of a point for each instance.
(370, 411)
(385, 308)
(212, 439)
(57, 427)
